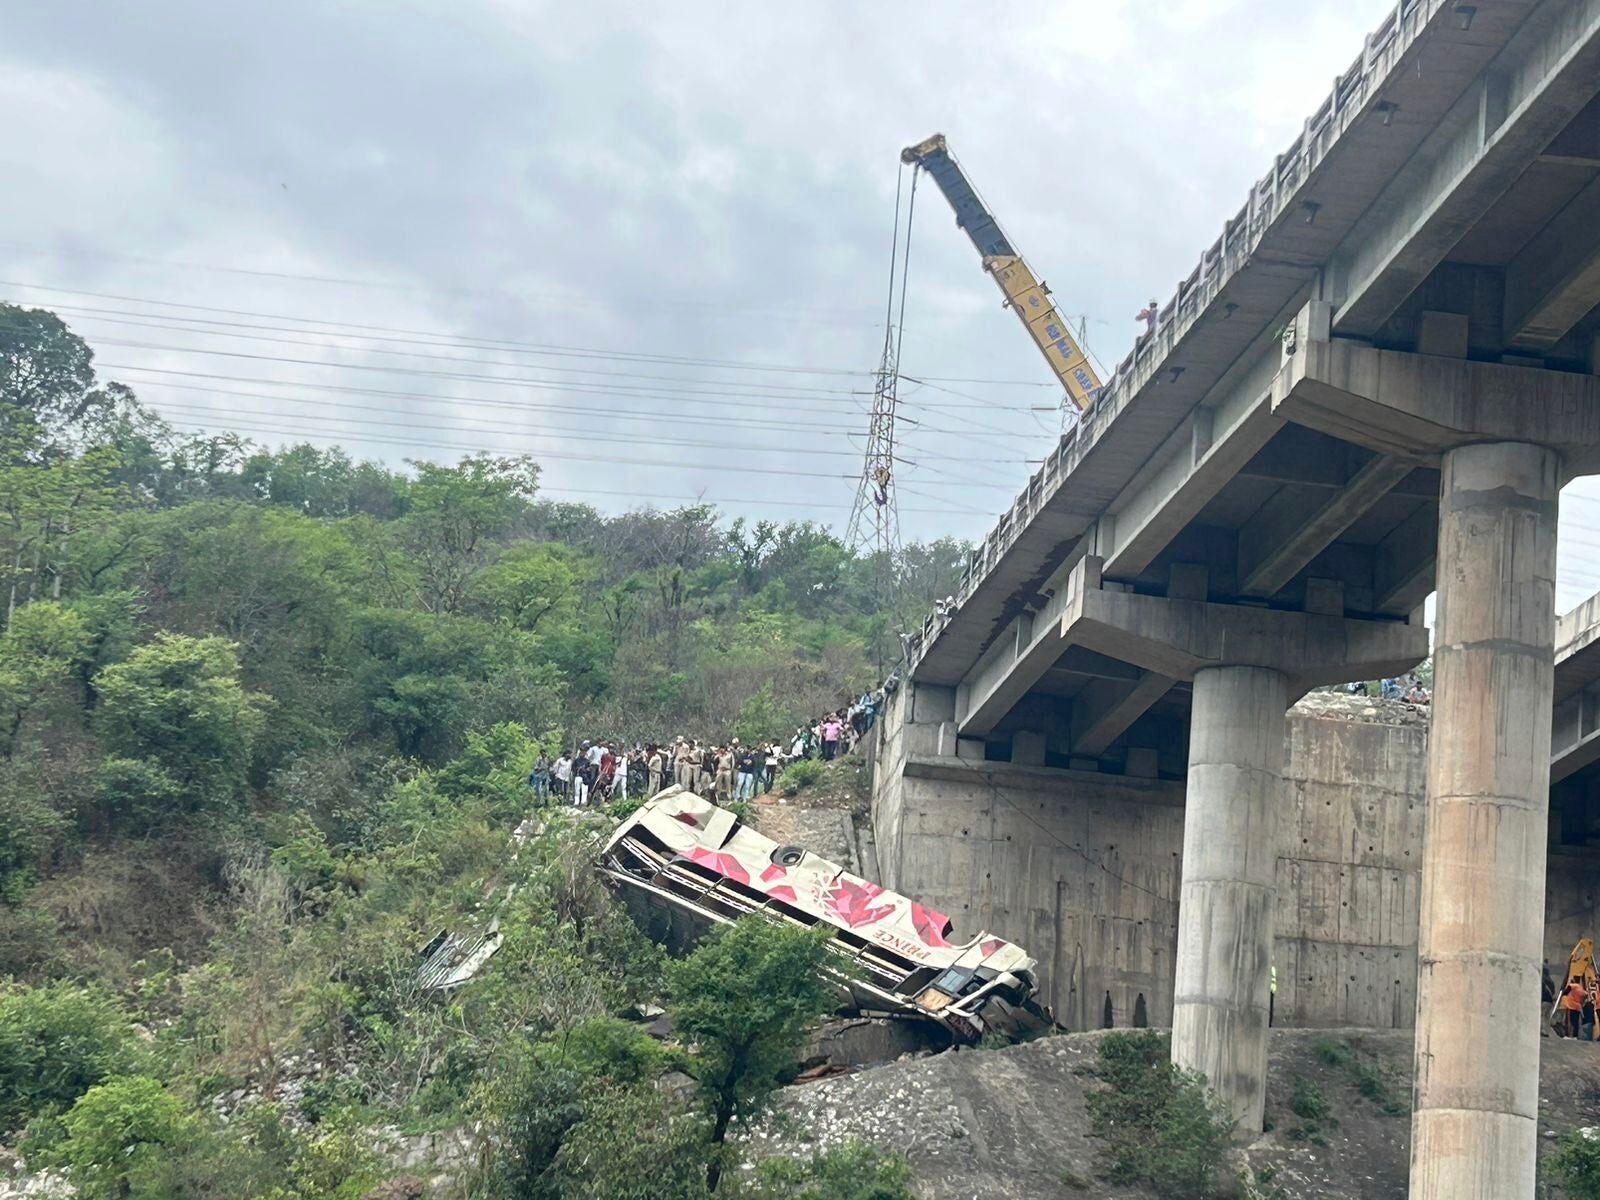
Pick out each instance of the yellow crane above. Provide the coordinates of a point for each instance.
(1025, 294)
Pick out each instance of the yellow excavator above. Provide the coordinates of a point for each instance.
(1025, 294)
(1580, 970)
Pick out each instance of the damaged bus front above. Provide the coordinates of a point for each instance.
(684, 866)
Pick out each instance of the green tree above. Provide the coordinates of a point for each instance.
(46, 510)
(744, 999)
(38, 652)
(120, 1130)
(534, 585)
(761, 716)
(176, 703)
(456, 514)
(46, 371)
(57, 1041)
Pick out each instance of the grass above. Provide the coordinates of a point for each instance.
(1330, 1053)
(1160, 1125)
(797, 776)
(1364, 1072)
(1306, 1100)
(1373, 1082)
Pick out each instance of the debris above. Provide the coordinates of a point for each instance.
(451, 959)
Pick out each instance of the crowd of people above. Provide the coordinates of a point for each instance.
(1400, 687)
(599, 772)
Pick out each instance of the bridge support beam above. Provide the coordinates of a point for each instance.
(1474, 1131)
(1230, 861)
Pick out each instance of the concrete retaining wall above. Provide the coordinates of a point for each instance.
(1083, 869)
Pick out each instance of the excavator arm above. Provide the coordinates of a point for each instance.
(1025, 295)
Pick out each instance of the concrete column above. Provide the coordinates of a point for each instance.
(1230, 859)
(1474, 1127)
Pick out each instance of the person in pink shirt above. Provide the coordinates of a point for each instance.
(830, 737)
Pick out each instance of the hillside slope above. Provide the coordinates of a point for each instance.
(1001, 1124)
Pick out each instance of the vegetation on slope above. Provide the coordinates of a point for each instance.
(265, 721)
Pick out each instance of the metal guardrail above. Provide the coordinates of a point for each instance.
(1241, 234)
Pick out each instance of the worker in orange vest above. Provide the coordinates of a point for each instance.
(1572, 1007)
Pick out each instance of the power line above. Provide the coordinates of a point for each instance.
(189, 326)
(617, 414)
(198, 410)
(361, 434)
(550, 349)
(390, 421)
(565, 298)
(339, 439)
(575, 387)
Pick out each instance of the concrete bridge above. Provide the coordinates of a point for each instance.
(1372, 387)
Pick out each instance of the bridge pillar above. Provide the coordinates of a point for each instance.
(1247, 665)
(1507, 436)
(1230, 860)
(1474, 1130)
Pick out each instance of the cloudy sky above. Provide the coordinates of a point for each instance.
(648, 244)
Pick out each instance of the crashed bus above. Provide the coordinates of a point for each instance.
(684, 866)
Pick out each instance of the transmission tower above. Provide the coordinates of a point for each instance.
(874, 517)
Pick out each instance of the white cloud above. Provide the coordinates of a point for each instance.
(713, 181)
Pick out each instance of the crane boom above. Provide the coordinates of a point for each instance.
(1025, 295)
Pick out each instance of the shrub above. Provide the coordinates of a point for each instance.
(853, 1170)
(32, 825)
(607, 1048)
(634, 1144)
(135, 794)
(530, 1107)
(118, 1130)
(798, 775)
(1330, 1053)
(622, 809)
(1161, 1124)
(1306, 1100)
(1373, 1082)
(1575, 1165)
(56, 1042)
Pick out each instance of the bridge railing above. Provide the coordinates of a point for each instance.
(1269, 199)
